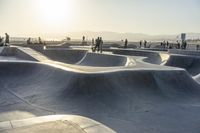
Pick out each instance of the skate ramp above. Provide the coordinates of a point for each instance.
(152, 57)
(15, 53)
(190, 63)
(102, 60)
(57, 53)
(125, 101)
(64, 55)
(187, 62)
(60, 54)
(82, 57)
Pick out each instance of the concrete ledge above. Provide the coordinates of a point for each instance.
(85, 124)
(184, 52)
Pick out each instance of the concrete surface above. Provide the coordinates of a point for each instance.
(103, 60)
(190, 63)
(144, 97)
(54, 124)
(185, 52)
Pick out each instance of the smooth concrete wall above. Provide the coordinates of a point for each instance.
(65, 55)
(13, 51)
(103, 60)
(152, 57)
(190, 63)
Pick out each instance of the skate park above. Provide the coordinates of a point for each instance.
(119, 90)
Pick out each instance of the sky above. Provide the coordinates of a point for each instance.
(153, 17)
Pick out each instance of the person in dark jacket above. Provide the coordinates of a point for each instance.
(7, 39)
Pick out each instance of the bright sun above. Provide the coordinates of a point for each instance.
(55, 12)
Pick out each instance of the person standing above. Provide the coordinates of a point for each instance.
(145, 43)
(101, 44)
(28, 40)
(39, 40)
(92, 45)
(178, 45)
(126, 43)
(197, 47)
(1, 41)
(7, 39)
(97, 43)
(167, 44)
(140, 43)
(83, 39)
(92, 41)
(185, 45)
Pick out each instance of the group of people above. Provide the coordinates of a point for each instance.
(97, 44)
(178, 45)
(6, 41)
(39, 41)
(184, 45)
(164, 44)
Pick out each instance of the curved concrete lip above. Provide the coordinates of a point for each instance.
(105, 60)
(88, 61)
(175, 58)
(74, 123)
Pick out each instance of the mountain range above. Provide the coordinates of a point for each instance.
(114, 36)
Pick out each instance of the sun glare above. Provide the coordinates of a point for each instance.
(55, 12)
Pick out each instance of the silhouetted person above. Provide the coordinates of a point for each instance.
(145, 43)
(178, 45)
(92, 41)
(167, 44)
(140, 44)
(28, 40)
(197, 47)
(170, 46)
(1, 41)
(39, 40)
(92, 46)
(126, 43)
(7, 39)
(83, 38)
(164, 44)
(184, 45)
(161, 44)
(97, 46)
(101, 44)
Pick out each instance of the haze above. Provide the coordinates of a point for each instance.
(38, 17)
